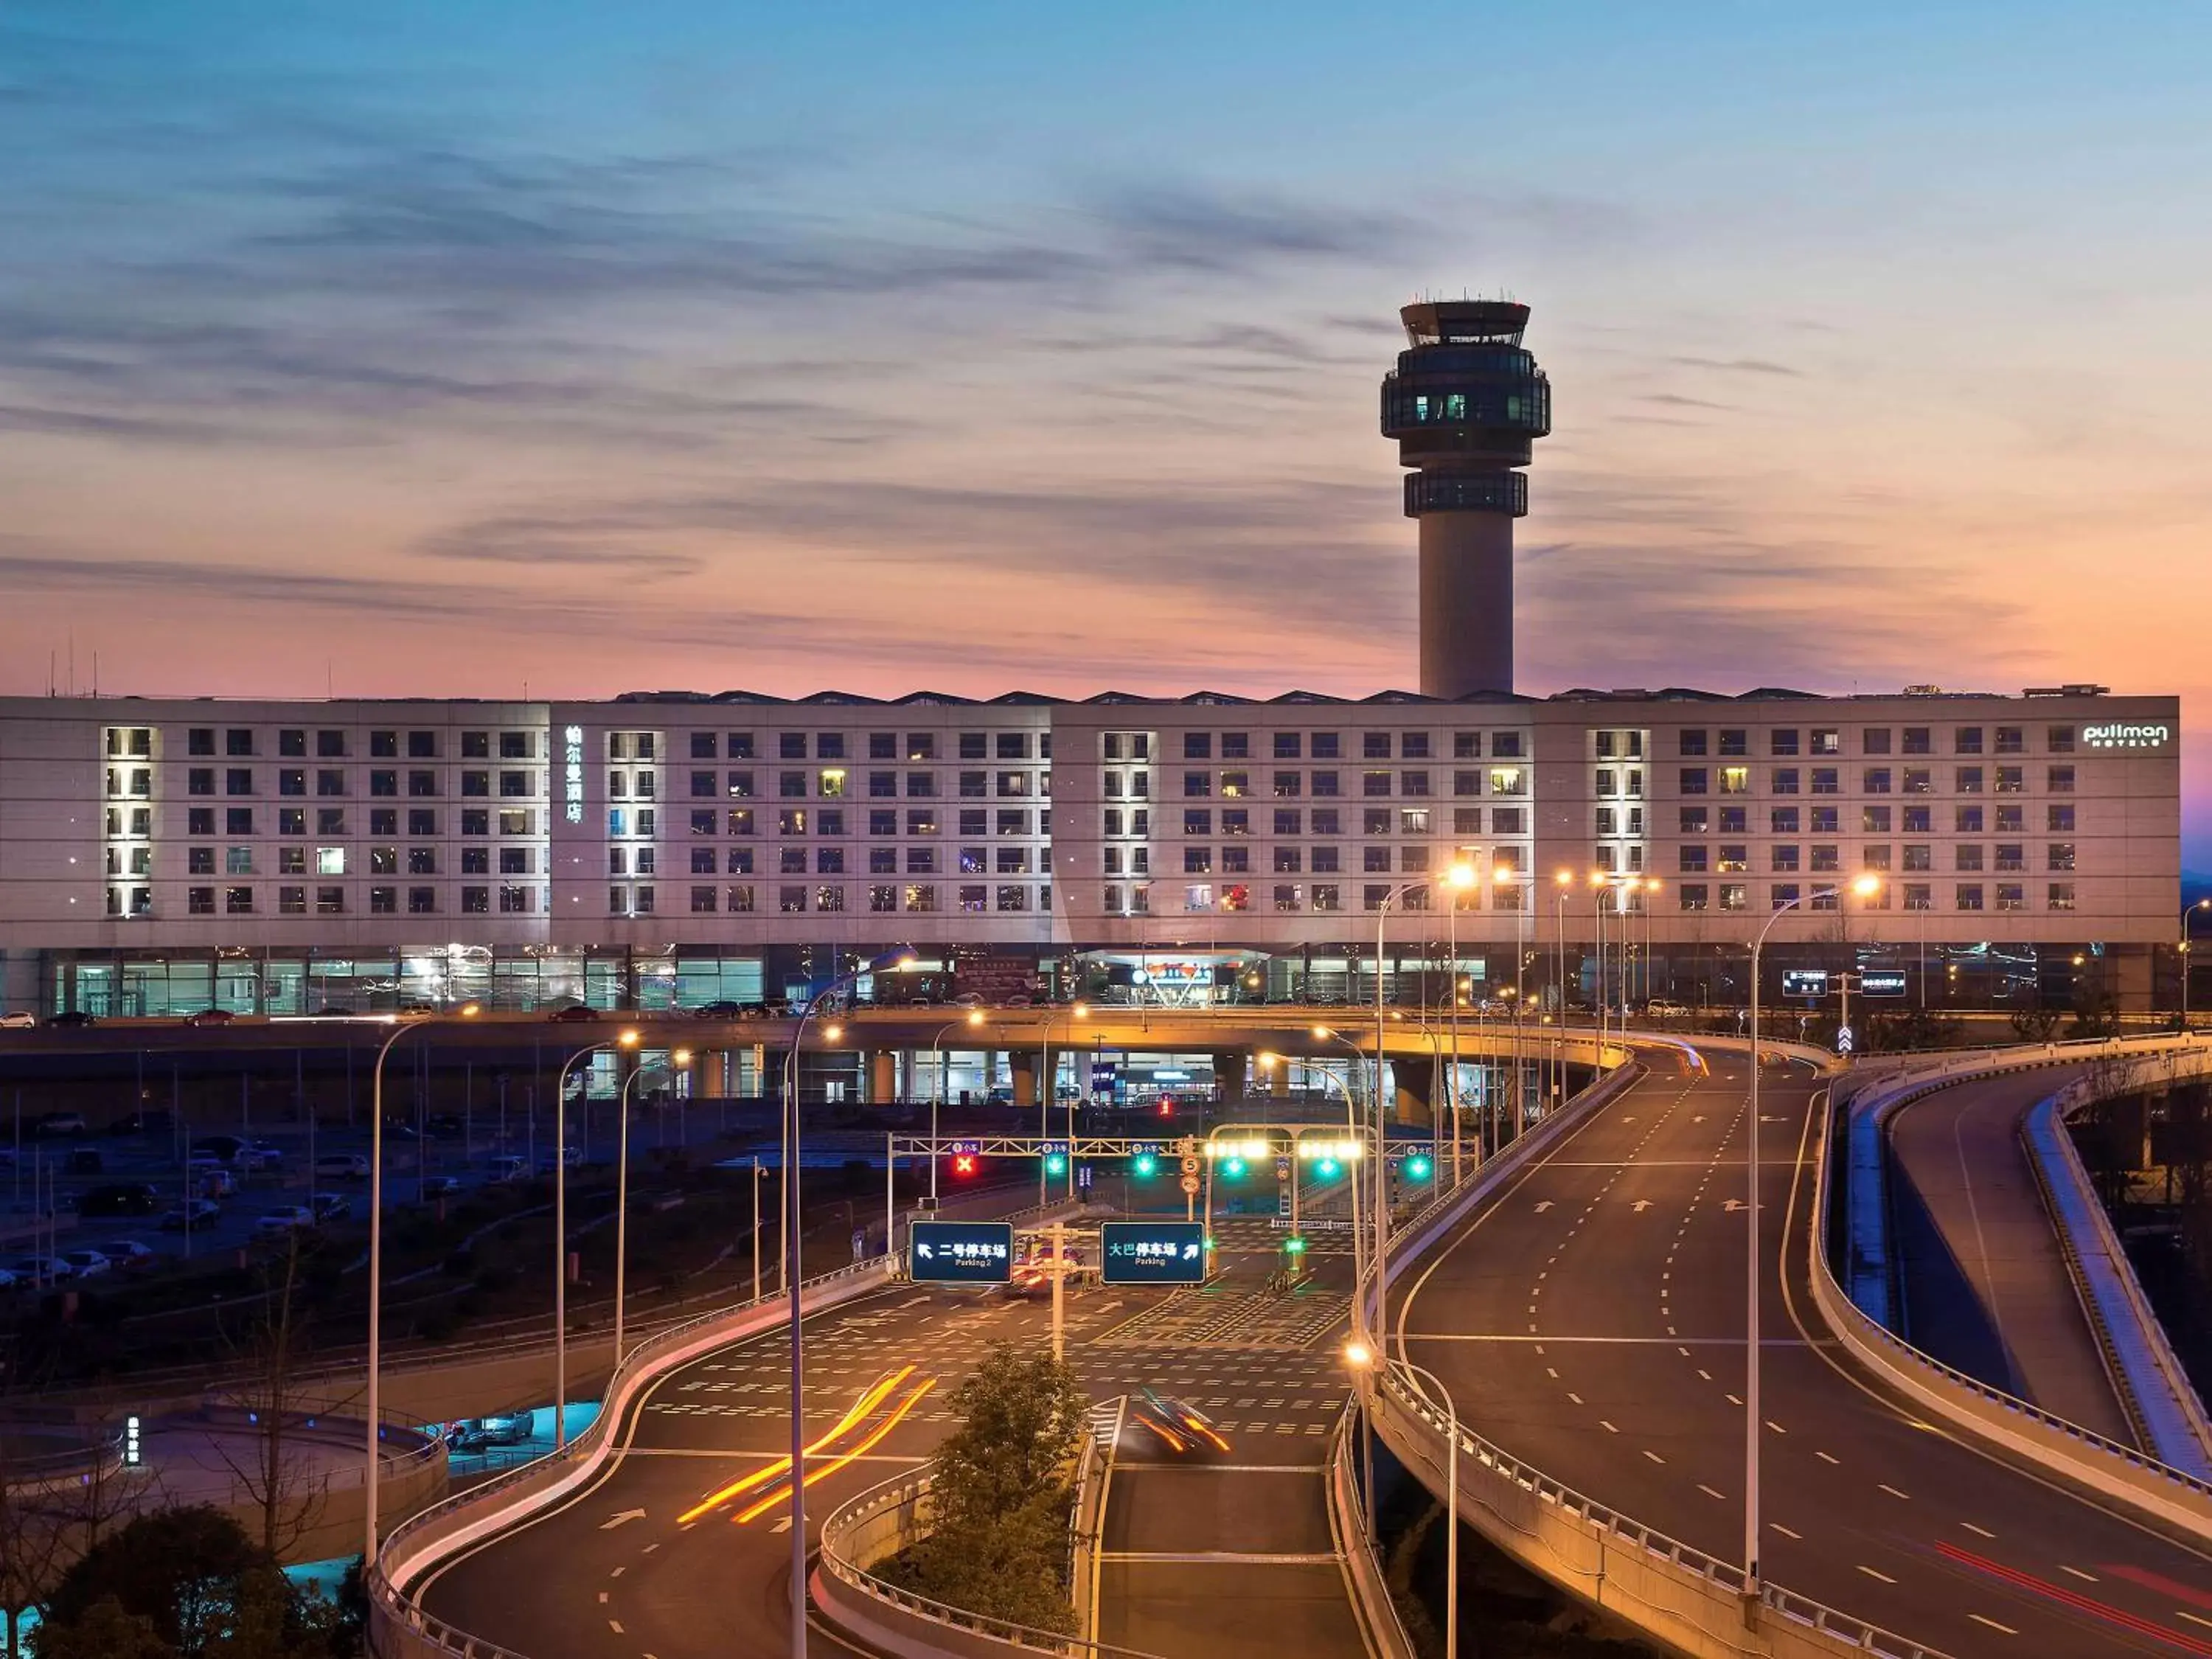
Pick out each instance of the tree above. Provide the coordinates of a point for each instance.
(104, 1631)
(2034, 1023)
(278, 1482)
(43, 1525)
(1000, 1506)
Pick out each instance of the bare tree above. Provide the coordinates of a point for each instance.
(278, 1482)
(49, 1517)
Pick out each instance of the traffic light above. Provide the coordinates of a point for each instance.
(1294, 1245)
(965, 1164)
(1418, 1167)
(1233, 1168)
(1328, 1169)
(1055, 1163)
(1146, 1165)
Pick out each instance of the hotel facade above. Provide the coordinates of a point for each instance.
(672, 849)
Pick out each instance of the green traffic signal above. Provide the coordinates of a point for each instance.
(1233, 1168)
(1147, 1165)
(1056, 1164)
(1326, 1169)
(1294, 1246)
(1418, 1167)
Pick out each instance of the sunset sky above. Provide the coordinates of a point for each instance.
(451, 347)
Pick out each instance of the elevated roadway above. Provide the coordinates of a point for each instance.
(1589, 1319)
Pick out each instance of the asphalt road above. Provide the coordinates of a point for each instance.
(1986, 1288)
(1589, 1319)
(597, 1577)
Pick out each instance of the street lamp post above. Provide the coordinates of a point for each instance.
(369, 1469)
(793, 1274)
(679, 1059)
(2188, 921)
(936, 1098)
(624, 1040)
(1599, 881)
(1863, 886)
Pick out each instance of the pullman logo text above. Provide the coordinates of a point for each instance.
(2126, 737)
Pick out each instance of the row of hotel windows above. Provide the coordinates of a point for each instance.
(2058, 818)
(137, 782)
(1317, 745)
(1873, 780)
(1912, 896)
(1321, 860)
(1321, 896)
(1329, 820)
(1325, 896)
(831, 821)
(1322, 785)
(832, 783)
(513, 900)
(830, 861)
(913, 898)
(832, 745)
(2009, 855)
(328, 861)
(137, 822)
(1873, 740)
(133, 741)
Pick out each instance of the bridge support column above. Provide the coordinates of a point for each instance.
(1229, 1066)
(1413, 1084)
(2130, 1130)
(1025, 1065)
(883, 1077)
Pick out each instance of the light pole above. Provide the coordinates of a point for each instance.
(369, 1469)
(1863, 886)
(1599, 880)
(1049, 1087)
(623, 1040)
(1563, 884)
(1505, 879)
(936, 1099)
(679, 1060)
(2188, 922)
(794, 1274)
(1458, 879)
(1324, 1034)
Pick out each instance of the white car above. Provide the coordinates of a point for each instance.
(292, 1218)
(88, 1263)
(211, 1179)
(1659, 1008)
(341, 1166)
(41, 1269)
(128, 1253)
(8, 1280)
(17, 1019)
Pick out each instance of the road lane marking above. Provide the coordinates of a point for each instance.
(1979, 1532)
(615, 1625)
(2085, 1577)
(1777, 1527)
(2007, 1629)
(1654, 1455)
(1871, 1573)
(1824, 1458)
(1893, 1492)
(1606, 1426)
(2179, 1613)
(1710, 1492)
(1572, 1396)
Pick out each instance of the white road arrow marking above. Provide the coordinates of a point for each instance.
(1733, 1205)
(1641, 1205)
(1700, 1118)
(1543, 1205)
(620, 1517)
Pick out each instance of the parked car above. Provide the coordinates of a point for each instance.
(442, 1186)
(8, 1280)
(70, 1019)
(341, 1166)
(121, 1199)
(261, 1155)
(223, 1149)
(445, 1126)
(574, 1013)
(965, 1000)
(208, 1179)
(332, 1207)
(50, 1124)
(86, 1161)
(334, 1011)
(725, 1010)
(128, 1254)
(505, 1169)
(16, 1019)
(142, 1123)
(419, 1008)
(275, 1223)
(210, 1016)
(476, 1433)
(1660, 1008)
(42, 1269)
(193, 1212)
(88, 1263)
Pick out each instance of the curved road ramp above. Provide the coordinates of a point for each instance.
(1576, 1322)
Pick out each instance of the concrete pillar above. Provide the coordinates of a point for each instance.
(1229, 1066)
(2131, 1131)
(1026, 1065)
(883, 1080)
(1413, 1085)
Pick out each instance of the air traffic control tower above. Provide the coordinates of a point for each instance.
(1464, 403)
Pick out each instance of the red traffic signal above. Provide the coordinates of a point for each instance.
(965, 1164)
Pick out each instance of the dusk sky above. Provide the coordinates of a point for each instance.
(454, 348)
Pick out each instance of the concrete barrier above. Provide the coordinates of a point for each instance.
(1380, 1626)
(2120, 1473)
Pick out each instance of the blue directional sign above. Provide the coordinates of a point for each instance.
(1154, 1252)
(962, 1252)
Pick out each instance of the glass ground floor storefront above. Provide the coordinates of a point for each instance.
(157, 984)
